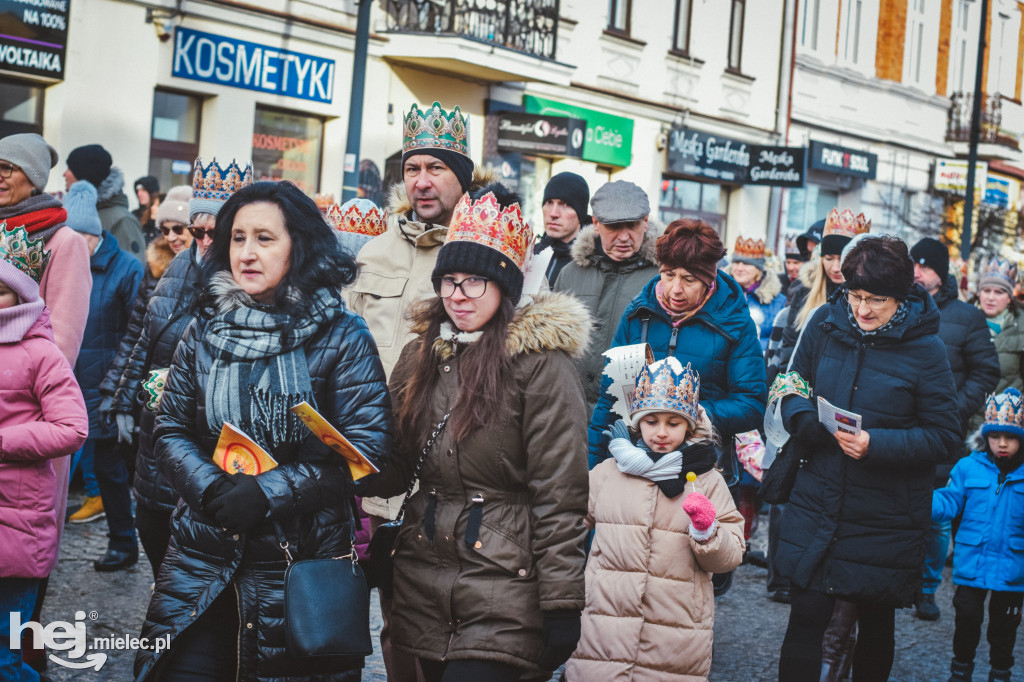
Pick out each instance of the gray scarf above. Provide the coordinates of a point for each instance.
(259, 372)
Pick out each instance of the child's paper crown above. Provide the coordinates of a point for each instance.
(1004, 413)
(666, 386)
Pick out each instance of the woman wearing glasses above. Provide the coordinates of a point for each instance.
(855, 523)
(489, 564)
(159, 318)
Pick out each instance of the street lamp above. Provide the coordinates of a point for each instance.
(972, 154)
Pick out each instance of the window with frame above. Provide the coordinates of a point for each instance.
(174, 138)
(809, 23)
(912, 68)
(21, 108)
(690, 199)
(681, 34)
(958, 47)
(736, 34)
(618, 16)
(1004, 53)
(287, 146)
(850, 31)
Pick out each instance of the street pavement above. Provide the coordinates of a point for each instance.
(748, 626)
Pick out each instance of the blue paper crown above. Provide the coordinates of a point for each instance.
(1004, 413)
(218, 184)
(667, 386)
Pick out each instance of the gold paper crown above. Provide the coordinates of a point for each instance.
(435, 130)
(352, 219)
(214, 183)
(323, 201)
(748, 248)
(845, 224)
(484, 222)
(23, 252)
(667, 386)
(1002, 268)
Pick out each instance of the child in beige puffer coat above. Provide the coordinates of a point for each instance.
(665, 521)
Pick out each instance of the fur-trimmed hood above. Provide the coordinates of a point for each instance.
(111, 186)
(806, 276)
(767, 289)
(400, 211)
(585, 252)
(158, 256)
(548, 321)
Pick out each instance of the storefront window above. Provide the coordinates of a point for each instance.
(808, 205)
(174, 143)
(287, 146)
(689, 199)
(21, 108)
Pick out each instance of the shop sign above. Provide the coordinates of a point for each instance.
(1002, 191)
(844, 161)
(691, 152)
(543, 135)
(287, 146)
(608, 139)
(777, 166)
(951, 176)
(33, 36)
(251, 66)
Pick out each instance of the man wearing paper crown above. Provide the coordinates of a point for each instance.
(160, 315)
(470, 601)
(984, 490)
(762, 286)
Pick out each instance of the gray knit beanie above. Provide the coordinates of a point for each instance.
(31, 153)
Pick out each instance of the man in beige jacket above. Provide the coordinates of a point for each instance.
(395, 267)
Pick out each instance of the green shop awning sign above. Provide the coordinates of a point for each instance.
(609, 139)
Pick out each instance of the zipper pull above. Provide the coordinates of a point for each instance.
(1000, 486)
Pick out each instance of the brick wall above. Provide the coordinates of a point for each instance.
(892, 30)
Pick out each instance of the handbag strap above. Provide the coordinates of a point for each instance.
(419, 465)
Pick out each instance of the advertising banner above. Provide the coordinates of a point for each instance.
(541, 135)
(34, 36)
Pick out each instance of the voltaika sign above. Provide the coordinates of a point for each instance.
(241, 64)
(34, 36)
(541, 135)
(844, 161)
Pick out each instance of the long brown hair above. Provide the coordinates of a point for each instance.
(485, 376)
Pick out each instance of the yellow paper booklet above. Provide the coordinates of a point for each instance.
(332, 438)
(236, 453)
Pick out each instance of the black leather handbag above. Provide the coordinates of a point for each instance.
(777, 482)
(326, 606)
(381, 564)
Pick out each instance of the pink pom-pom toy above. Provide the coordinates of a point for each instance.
(700, 510)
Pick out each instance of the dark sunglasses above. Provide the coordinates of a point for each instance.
(200, 233)
(178, 229)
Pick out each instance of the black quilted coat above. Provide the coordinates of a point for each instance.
(855, 528)
(309, 497)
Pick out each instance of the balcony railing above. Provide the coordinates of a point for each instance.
(528, 26)
(958, 124)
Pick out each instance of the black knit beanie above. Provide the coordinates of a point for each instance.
(573, 190)
(933, 254)
(91, 162)
(833, 244)
(483, 261)
(459, 164)
(149, 183)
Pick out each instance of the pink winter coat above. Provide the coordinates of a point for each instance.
(42, 418)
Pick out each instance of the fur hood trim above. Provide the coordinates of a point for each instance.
(398, 201)
(229, 295)
(111, 187)
(806, 275)
(585, 245)
(158, 256)
(548, 321)
(768, 288)
(976, 441)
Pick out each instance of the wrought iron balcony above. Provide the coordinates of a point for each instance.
(527, 26)
(958, 122)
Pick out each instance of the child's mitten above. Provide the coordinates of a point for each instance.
(702, 516)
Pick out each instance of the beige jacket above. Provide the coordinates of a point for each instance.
(650, 606)
(394, 274)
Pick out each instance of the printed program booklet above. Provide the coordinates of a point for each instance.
(358, 464)
(237, 453)
(837, 419)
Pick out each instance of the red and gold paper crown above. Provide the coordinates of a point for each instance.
(748, 248)
(218, 184)
(435, 129)
(484, 222)
(323, 201)
(23, 252)
(845, 223)
(358, 216)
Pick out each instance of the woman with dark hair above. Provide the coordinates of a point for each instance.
(489, 563)
(270, 332)
(855, 524)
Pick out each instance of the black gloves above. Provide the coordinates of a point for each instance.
(224, 483)
(240, 508)
(561, 635)
(809, 431)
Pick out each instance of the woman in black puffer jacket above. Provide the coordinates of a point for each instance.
(271, 332)
(854, 526)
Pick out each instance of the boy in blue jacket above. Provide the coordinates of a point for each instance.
(987, 487)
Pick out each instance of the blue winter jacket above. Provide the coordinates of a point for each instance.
(990, 543)
(720, 342)
(115, 278)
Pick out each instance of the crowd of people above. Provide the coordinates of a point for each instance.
(553, 511)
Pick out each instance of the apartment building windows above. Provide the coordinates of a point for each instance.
(1004, 54)
(681, 36)
(736, 35)
(618, 16)
(958, 47)
(809, 23)
(850, 31)
(912, 66)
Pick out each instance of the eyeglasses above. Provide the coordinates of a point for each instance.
(471, 287)
(872, 302)
(7, 170)
(178, 229)
(200, 233)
